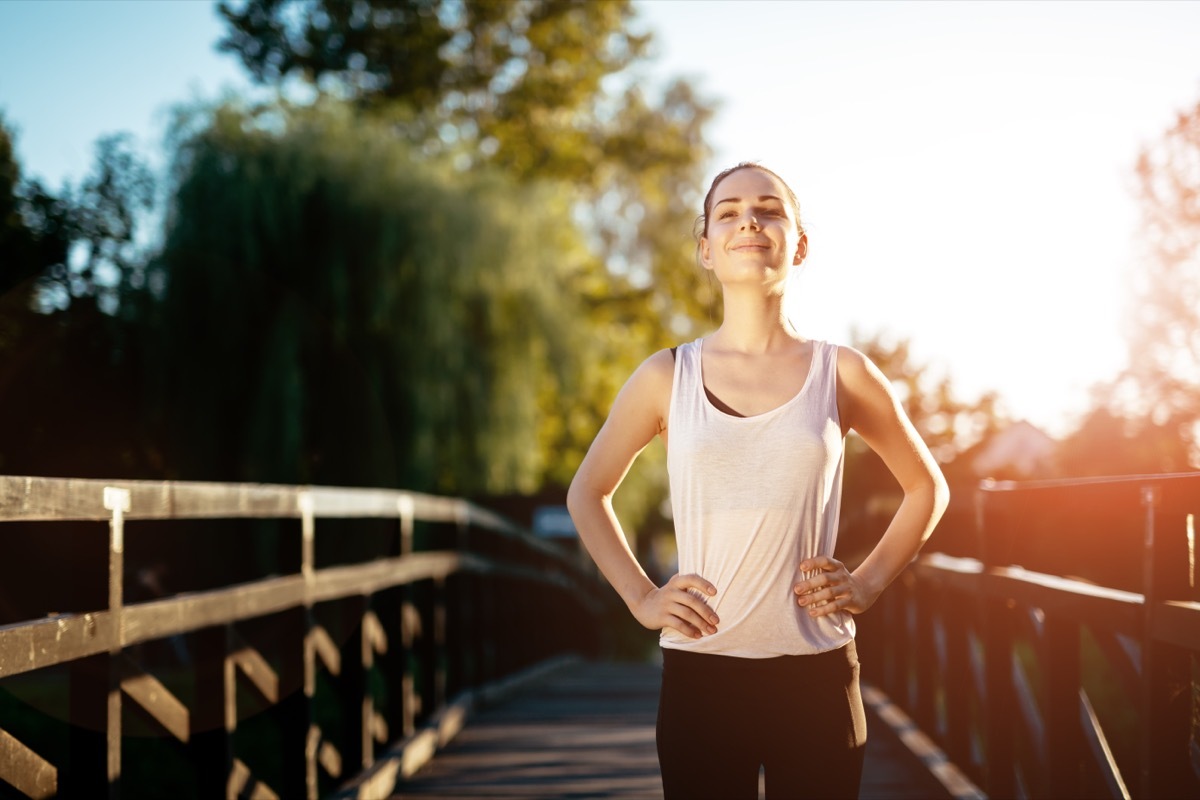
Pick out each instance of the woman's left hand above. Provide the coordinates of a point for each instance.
(833, 588)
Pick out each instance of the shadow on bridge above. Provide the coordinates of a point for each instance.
(1050, 653)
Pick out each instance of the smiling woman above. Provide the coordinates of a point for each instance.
(757, 628)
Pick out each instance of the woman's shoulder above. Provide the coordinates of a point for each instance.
(662, 362)
(853, 366)
(656, 372)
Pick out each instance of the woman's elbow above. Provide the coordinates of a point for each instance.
(939, 498)
(573, 498)
(580, 496)
(931, 491)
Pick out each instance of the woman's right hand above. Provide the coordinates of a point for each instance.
(674, 606)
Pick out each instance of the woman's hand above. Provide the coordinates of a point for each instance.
(833, 588)
(674, 606)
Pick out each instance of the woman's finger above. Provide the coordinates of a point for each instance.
(684, 627)
(692, 581)
(685, 583)
(822, 563)
(700, 621)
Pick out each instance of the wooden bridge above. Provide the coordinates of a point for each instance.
(280, 641)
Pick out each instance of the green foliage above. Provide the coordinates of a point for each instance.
(519, 79)
(50, 360)
(541, 90)
(104, 218)
(34, 227)
(340, 310)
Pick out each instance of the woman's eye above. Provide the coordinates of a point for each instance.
(726, 214)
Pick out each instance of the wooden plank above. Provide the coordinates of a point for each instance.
(157, 702)
(1102, 755)
(1176, 622)
(43, 643)
(159, 619)
(162, 618)
(57, 640)
(345, 503)
(324, 648)
(258, 672)
(25, 770)
(243, 784)
(1094, 606)
(31, 499)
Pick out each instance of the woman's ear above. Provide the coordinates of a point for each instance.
(801, 250)
(705, 253)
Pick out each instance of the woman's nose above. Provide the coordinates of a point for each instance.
(749, 221)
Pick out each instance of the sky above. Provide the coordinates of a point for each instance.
(965, 170)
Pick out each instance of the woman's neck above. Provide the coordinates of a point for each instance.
(753, 323)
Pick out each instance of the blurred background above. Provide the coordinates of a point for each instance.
(422, 244)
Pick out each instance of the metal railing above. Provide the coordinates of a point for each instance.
(317, 665)
(1060, 659)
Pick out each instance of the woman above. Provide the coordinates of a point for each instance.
(757, 629)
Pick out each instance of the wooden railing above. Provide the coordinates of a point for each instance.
(284, 684)
(1060, 659)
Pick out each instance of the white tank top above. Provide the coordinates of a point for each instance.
(753, 497)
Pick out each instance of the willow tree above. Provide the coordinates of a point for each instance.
(340, 309)
(539, 90)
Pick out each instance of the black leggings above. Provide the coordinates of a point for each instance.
(800, 717)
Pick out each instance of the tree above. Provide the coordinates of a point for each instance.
(59, 337)
(104, 216)
(1106, 443)
(340, 309)
(541, 91)
(1163, 381)
(34, 227)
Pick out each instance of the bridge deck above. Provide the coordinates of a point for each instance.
(588, 731)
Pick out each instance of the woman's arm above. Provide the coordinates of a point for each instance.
(637, 416)
(866, 404)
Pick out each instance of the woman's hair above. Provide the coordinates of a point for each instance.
(700, 229)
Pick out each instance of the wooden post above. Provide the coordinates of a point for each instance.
(297, 672)
(926, 664)
(895, 648)
(460, 617)
(409, 697)
(439, 644)
(1166, 669)
(958, 682)
(94, 703)
(1059, 654)
(996, 632)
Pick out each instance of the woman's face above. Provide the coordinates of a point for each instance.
(752, 232)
